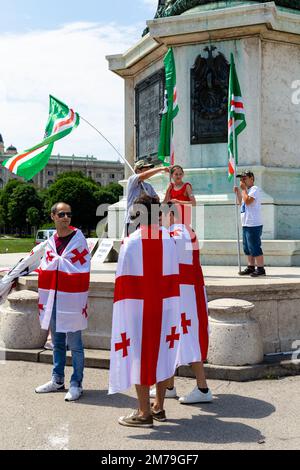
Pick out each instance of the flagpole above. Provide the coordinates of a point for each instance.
(108, 141)
(236, 197)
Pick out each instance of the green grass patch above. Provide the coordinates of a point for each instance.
(16, 245)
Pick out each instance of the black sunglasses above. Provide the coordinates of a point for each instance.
(61, 215)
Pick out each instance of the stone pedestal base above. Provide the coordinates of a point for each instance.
(20, 326)
(235, 338)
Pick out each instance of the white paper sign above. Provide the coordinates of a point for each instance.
(91, 243)
(103, 250)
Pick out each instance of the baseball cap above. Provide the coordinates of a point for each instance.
(142, 164)
(246, 173)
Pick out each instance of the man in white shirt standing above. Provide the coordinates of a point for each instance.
(250, 201)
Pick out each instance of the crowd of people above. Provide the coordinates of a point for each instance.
(160, 316)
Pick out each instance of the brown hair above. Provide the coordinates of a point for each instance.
(175, 167)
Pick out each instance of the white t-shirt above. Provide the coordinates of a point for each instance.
(251, 213)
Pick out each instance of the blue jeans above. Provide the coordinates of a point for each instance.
(60, 342)
(252, 241)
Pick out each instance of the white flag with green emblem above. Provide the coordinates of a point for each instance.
(62, 120)
(236, 118)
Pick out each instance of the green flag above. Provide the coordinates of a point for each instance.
(62, 120)
(166, 148)
(236, 118)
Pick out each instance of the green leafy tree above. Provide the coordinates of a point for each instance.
(2, 217)
(116, 189)
(22, 198)
(80, 194)
(71, 174)
(33, 216)
(6, 195)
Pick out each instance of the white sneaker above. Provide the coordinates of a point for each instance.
(196, 396)
(48, 345)
(74, 393)
(169, 393)
(50, 387)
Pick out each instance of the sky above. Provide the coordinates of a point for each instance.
(59, 48)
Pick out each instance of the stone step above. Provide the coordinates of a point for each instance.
(272, 367)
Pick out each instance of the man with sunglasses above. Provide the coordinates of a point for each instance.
(63, 291)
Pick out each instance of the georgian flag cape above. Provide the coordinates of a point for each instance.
(25, 266)
(193, 344)
(146, 314)
(65, 277)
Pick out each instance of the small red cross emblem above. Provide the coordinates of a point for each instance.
(79, 256)
(137, 287)
(41, 307)
(123, 345)
(172, 337)
(185, 323)
(84, 311)
(175, 233)
(50, 256)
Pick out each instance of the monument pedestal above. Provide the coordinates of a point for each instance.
(265, 41)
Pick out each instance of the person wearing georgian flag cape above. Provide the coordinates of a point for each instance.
(63, 293)
(193, 344)
(145, 333)
(63, 285)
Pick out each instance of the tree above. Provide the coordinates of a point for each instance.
(116, 189)
(79, 193)
(33, 216)
(71, 174)
(22, 198)
(6, 195)
(2, 217)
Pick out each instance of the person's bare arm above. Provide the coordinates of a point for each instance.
(147, 174)
(190, 194)
(167, 195)
(239, 196)
(245, 197)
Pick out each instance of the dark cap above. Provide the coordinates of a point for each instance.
(245, 173)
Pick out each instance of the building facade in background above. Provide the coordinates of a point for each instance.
(103, 172)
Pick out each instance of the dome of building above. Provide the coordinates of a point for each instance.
(11, 148)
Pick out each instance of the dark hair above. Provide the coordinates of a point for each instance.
(175, 167)
(168, 207)
(55, 206)
(143, 208)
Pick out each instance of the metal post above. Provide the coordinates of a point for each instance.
(236, 198)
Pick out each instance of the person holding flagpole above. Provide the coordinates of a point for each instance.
(236, 125)
(250, 201)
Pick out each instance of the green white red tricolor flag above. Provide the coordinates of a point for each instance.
(236, 118)
(62, 120)
(170, 111)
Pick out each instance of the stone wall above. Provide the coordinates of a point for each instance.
(276, 310)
